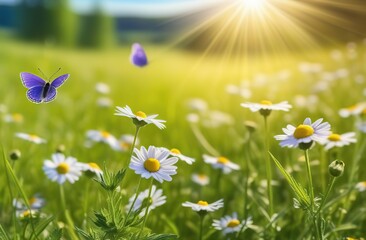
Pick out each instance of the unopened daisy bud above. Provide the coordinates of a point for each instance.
(251, 126)
(60, 148)
(15, 154)
(336, 168)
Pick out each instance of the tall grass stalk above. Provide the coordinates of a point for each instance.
(70, 223)
(147, 208)
(268, 169)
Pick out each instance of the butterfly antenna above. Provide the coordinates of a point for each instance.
(44, 76)
(55, 73)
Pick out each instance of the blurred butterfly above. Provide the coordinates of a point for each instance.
(39, 90)
(138, 56)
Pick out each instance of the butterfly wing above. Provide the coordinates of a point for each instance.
(51, 94)
(60, 80)
(138, 56)
(35, 94)
(30, 80)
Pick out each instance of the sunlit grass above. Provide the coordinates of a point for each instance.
(164, 87)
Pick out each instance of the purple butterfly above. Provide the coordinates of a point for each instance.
(39, 90)
(138, 55)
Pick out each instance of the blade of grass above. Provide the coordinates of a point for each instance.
(9, 170)
(299, 191)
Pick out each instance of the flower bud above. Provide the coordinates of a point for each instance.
(336, 168)
(15, 154)
(251, 126)
(60, 148)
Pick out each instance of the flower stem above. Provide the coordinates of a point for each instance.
(133, 144)
(133, 202)
(311, 191)
(246, 186)
(201, 138)
(268, 169)
(201, 226)
(310, 179)
(70, 227)
(330, 186)
(147, 208)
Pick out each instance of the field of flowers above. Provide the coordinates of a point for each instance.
(97, 163)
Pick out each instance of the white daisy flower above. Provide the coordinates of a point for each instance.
(230, 224)
(35, 202)
(61, 168)
(102, 88)
(31, 137)
(338, 140)
(13, 118)
(27, 214)
(176, 153)
(140, 119)
(200, 179)
(362, 126)
(214, 119)
(125, 142)
(156, 199)
(104, 102)
(197, 104)
(194, 118)
(305, 133)
(265, 107)
(353, 110)
(154, 162)
(91, 169)
(221, 163)
(361, 186)
(204, 206)
(102, 136)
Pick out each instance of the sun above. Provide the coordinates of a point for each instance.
(253, 5)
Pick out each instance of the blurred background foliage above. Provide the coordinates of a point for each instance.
(56, 22)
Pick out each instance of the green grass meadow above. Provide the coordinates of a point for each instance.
(165, 87)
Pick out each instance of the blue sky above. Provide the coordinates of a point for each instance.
(145, 8)
(138, 8)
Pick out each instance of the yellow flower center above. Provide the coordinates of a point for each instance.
(152, 165)
(33, 137)
(32, 200)
(266, 102)
(141, 114)
(202, 177)
(202, 203)
(125, 145)
(233, 223)
(105, 134)
(334, 137)
(175, 151)
(303, 131)
(63, 168)
(353, 107)
(26, 213)
(17, 117)
(94, 166)
(222, 160)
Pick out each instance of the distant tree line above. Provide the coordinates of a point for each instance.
(45, 20)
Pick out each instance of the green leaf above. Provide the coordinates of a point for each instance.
(9, 170)
(83, 234)
(299, 191)
(42, 225)
(3, 234)
(55, 235)
(161, 237)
